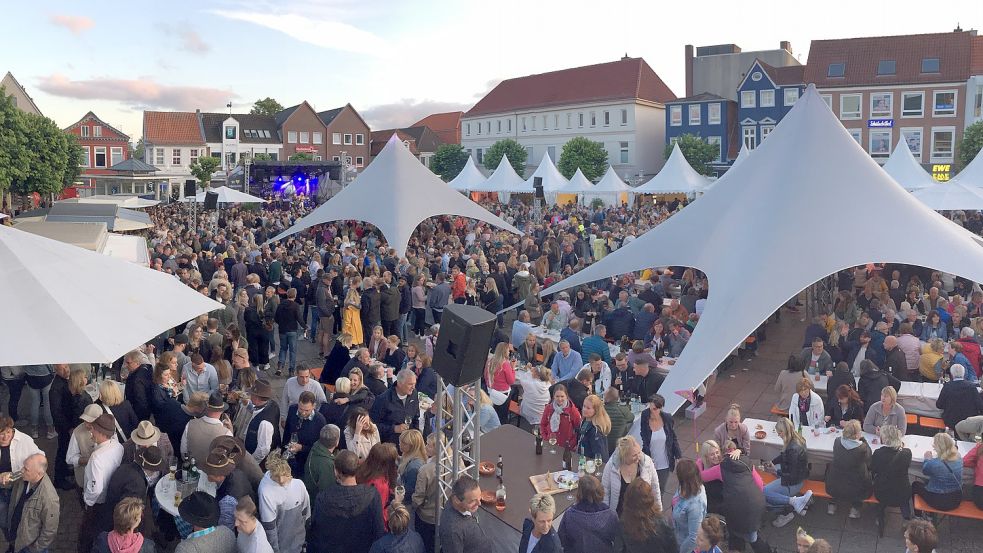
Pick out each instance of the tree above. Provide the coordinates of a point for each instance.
(202, 170)
(589, 156)
(53, 157)
(14, 161)
(262, 157)
(139, 150)
(698, 153)
(516, 153)
(448, 161)
(971, 144)
(266, 106)
(301, 156)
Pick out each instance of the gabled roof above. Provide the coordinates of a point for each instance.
(283, 114)
(426, 139)
(785, 76)
(380, 138)
(172, 128)
(861, 56)
(94, 117)
(701, 97)
(211, 124)
(625, 79)
(421, 139)
(9, 80)
(328, 116)
(447, 125)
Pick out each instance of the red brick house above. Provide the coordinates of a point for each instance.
(447, 126)
(102, 145)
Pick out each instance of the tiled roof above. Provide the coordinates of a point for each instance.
(861, 56)
(446, 125)
(976, 65)
(792, 74)
(211, 123)
(282, 115)
(94, 117)
(701, 97)
(380, 138)
(172, 127)
(426, 139)
(10, 80)
(626, 79)
(328, 116)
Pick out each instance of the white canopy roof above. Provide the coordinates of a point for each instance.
(741, 156)
(972, 174)
(904, 168)
(469, 178)
(779, 200)
(395, 193)
(578, 184)
(504, 179)
(609, 188)
(70, 305)
(553, 180)
(676, 177)
(228, 195)
(128, 201)
(951, 195)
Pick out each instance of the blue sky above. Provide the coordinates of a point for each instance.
(394, 61)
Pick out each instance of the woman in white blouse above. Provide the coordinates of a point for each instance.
(535, 382)
(806, 407)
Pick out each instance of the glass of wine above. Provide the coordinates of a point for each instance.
(408, 419)
(172, 467)
(552, 442)
(400, 490)
(294, 440)
(598, 463)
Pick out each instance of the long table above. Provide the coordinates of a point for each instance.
(541, 334)
(820, 446)
(915, 397)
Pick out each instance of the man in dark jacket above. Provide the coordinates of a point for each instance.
(619, 322)
(389, 308)
(289, 317)
(405, 303)
(326, 304)
(872, 381)
(646, 381)
(347, 516)
(392, 408)
(959, 398)
(64, 418)
(304, 421)
(459, 530)
(132, 479)
(139, 382)
(371, 305)
(895, 362)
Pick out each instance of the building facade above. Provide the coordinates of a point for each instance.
(619, 104)
(102, 146)
(349, 137)
(173, 140)
(720, 69)
(709, 117)
(446, 125)
(765, 95)
(236, 137)
(22, 100)
(421, 141)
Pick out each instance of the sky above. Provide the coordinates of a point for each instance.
(394, 61)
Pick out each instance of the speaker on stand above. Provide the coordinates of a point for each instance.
(462, 346)
(538, 197)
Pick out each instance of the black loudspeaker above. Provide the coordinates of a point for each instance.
(462, 345)
(537, 185)
(189, 189)
(211, 200)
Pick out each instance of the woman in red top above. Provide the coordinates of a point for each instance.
(499, 377)
(561, 419)
(379, 470)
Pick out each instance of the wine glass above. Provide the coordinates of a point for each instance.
(552, 442)
(598, 462)
(294, 440)
(408, 419)
(400, 490)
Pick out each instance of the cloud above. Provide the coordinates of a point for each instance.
(489, 85)
(76, 24)
(406, 112)
(190, 40)
(143, 93)
(313, 29)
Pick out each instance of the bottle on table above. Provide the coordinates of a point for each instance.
(500, 468)
(581, 463)
(500, 497)
(539, 441)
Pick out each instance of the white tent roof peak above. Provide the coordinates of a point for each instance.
(611, 182)
(227, 195)
(904, 168)
(950, 196)
(469, 178)
(676, 177)
(577, 184)
(972, 174)
(395, 193)
(782, 197)
(504, 179)
(741, 155)
(553, 180)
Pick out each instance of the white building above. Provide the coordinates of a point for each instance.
(172, 142)
(619, 104)
(233, 137)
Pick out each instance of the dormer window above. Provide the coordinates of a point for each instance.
(836, 70)
(930, 65)
(886, 67)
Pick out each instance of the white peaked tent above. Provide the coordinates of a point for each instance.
(610, 189)
(468, 179)
(71, 305)
(778, 202)
(950, 196)
(505, 182)
(904, 168)
(228, 196)
(676, 177)
(575, 189)
(395, 193)
(972, 174)
(553, 180)
(741, 156)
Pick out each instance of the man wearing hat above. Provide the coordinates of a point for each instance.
(263, 431)
(236, 450)
(144, 436)
(105, 459)
(200, 432)
(134, 479)
(231, 484)
(201, 511)
(80, 445)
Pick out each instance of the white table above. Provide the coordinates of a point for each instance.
(915, 397)
(165, 488)
(541, 334)
(821, 447)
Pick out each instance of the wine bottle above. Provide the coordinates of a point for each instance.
(500, 468)
(581, 463)
(539, 444)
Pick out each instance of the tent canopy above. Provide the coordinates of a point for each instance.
(904, 168)
(468, 179)
(778, 202)
(578, 184)
(553, 180)
(395, 193)
(610, 189)
(77, 306)
(504, 179)
(951, 195)
(972, 174)
(676, 177)
(228, 195)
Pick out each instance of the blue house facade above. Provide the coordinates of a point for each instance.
(709, 117)
(764, 96)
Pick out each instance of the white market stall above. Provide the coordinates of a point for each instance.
(972, 174)
(553, 180)
(504, 182)
(950, 196)
(575, 189)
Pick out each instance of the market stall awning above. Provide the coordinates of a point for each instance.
(227, 195)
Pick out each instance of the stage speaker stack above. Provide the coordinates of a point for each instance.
(211, 200)
(537, 185)
(189, 189)
(461, 351)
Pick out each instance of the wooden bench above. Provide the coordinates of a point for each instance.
(778, 412)
(966, 509)
(931, 422)
(818, 489)
(911, 419)
(514, 411)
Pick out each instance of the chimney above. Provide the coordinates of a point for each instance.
(785, 45)
(625, 57)
(958, 29)
(689, 70)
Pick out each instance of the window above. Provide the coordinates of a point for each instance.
(176, 156)
(291, 137)
(266, 134)
(85, 131)
(529, 152)
(347, 139)
(944, 104)
(115, 156)
(479, 154)
(533, 118)
(766, 130)
(624, 117)
(488, 125)
(336, 136)
(623, 148)
(791, 96)
(194, 155)
(159, 156)
(305, 137)
(913, 138)
(467, 131)
(607, 118)
(479, 130)
(359, 161)
(317, 138)
(750, 137)
(97, 130)
(713, 114)
(930, 65)
(715, 141)
(348, 160)
(881, 105)
(544, 122)
(880, 144)
(748, 99)
(886, 67)
(523, 124)
(317, 158)
(978, 102)
(767, 98)
(593, 119)
(556, 121)
(836, 70)
(100, 156)
(338, 158)
(694, 114)
(498, 126)
(230, 132)
(942, 142)
(509, 124)
(84, 157)
(580, 119)
(912, 104)
(858, 135)
(828, 99)
(569, 120)
(675, 116)
(850, 106)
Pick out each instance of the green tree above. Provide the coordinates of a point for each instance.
(262, 157)
(448, 161)
(971, 144)
(202, 170)
(301, 156)
(516, 153)
(266, 106)
(14, 160)
(697, 152)
(138, 151)
(53, 157)
(581, 152)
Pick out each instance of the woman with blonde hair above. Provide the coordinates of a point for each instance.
(549, 351)
(932, 353)
(499, 377)
(848, 478)
(732, 429)
(351, 320)
(792, 465)
(886, 411)
(414, 451)
(944, 470)
(711, 455)
(112, 402)
(337, 358)
(594, 428)
(360, 395)
(889, 469)
(124, 537)
(284, 505)
(627, 464)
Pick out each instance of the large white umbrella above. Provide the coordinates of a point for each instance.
(228, 195)
(65, 304)
(950, 196)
